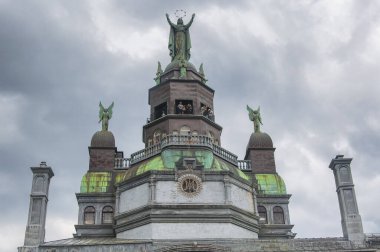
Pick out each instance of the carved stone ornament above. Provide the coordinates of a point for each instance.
(189, 185)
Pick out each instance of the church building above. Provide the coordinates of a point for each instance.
(185, 191)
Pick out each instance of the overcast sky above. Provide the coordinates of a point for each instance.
(312, 66)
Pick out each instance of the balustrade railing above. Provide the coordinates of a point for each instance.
(186, 140)
(225, 154)
(145, 153)
(121, 163)
(181, 140)
(245, 165)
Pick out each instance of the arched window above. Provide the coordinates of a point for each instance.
(278, 215)
(89, 215)
(107, 215)
(263, 214)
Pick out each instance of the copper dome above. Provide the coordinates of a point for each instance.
(103, 138)
(260, 140)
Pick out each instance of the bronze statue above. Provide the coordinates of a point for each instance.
(105, 114)
(158, 73)
(202, 74)
(179, 39)
(255, 117)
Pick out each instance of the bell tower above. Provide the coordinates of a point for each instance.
(181, 103)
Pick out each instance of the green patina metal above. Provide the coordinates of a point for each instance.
(220, 165)
(119, 177)
(94, 182)
(255, 117)
(270, 184)
(152, 164)
(173, 158)
(170, 159)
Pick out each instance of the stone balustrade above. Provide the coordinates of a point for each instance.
(244, 165)
(180, 140)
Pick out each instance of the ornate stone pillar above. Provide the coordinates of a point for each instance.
(351, 220)
(35, 229)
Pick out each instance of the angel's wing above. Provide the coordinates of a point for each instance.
(109, 110)
(101, 111)
(250, 111)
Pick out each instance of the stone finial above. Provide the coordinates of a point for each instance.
(351, 220)
(158, 73)
(202, 74)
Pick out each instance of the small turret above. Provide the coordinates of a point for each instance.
(272, 198)
(35, 229)
(260, 148)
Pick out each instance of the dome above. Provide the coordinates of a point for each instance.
(175, 65)
(260, 140)
(103, 138)
(270, 184)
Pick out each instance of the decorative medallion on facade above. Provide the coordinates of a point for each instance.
(189, 185)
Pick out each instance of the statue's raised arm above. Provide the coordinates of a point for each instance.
(191, 21)
(170, 22)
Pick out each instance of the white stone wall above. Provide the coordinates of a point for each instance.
(142, 232)
(242, 198)
(188, 231)
(134, 198)
(212, 192)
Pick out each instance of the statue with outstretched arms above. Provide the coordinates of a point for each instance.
(179, 39)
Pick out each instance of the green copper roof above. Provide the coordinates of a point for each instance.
(94, 182)
(270, 184)
(169, 159)
(119, 177)
(153, 164)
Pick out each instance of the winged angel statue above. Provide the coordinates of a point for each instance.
(255, 117)
(105, 114)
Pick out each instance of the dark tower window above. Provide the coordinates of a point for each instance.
(107, 215)
(89, 215)
(184, 107)
(278, 215)
(263, 213)
(160, 110)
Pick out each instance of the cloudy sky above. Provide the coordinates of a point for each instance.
(312, 66)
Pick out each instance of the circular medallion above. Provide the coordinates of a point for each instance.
(189, 185)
